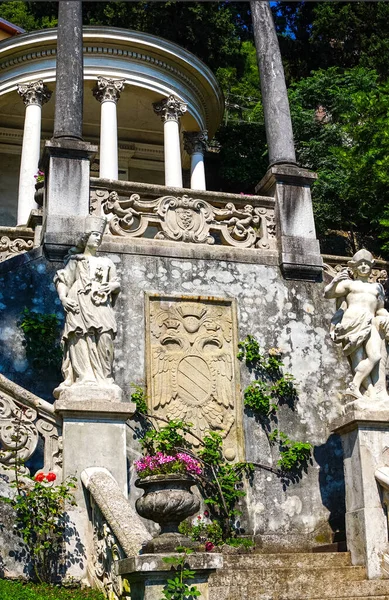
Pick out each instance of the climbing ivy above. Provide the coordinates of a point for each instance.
(41, 339)
(264, 396)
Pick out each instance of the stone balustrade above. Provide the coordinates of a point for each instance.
(24, 419)
(138, 210)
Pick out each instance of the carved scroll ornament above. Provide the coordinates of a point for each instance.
(21, 426)
(10, 248)
(106, 551)
(187, 219)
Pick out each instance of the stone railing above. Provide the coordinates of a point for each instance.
(24, 419)
(15, 240)
(137, 210)
(117, 531)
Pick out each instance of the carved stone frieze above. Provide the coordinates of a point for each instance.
(108, 90)
(106, 550)
(195, 141)
(10, 247)
(170, 109)
(35, 92)
(24, 419)
(193, 373)
(187, 219)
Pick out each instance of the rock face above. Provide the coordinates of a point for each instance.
(290, 315)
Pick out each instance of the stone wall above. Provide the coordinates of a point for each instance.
(287, 314)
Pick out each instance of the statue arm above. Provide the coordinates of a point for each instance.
(63, 280)
(338, 287)
(112, 285)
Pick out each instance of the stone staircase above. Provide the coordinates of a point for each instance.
(316, 576)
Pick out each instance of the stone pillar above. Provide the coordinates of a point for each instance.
(290, 186)
(107, 92)
(365, 441)
(171, 109)
(148, 574)
(67, 157)
(195, 144)
(70, 72)
(34, 95)
(94, 435)
(275, 102)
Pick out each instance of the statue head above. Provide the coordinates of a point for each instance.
(95, 226)
(361, 263)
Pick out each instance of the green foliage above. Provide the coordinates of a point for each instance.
(40, 519)
(294, 455)
(166, 439)
(203, 531)
(139, 399)
(264, 397)
(41, 339)
(17, 590)
(177, 588)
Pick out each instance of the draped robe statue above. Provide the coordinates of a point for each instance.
(361, 326)
(88, 286)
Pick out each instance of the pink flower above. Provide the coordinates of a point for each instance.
(206, 513)
(209, 547)
(40, 477)
(51, 476)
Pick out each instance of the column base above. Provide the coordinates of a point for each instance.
(365, 441)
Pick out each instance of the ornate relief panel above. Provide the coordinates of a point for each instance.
(192, 371)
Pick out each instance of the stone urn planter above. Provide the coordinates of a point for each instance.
(39, 195)
(167, 500)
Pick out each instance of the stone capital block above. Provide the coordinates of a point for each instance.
(35, 92)
(170, 109)
(108, 90)
(195, 141)
(299, 248)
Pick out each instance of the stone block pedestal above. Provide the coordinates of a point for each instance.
(94, 435)
(365, 441)
(147, 574)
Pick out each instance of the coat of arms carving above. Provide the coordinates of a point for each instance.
(192, 373)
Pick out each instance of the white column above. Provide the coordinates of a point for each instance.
(195, 145)
(171, 109)
(34, 95)
(107, 91)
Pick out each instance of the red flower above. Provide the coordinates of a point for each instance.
(51, 476)
(209, 547)
(40, 477)
(206, 513)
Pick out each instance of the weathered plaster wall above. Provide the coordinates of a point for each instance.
(287, 314)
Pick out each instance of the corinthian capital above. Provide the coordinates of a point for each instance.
(35, 92)
(170, 109)
(195, 141)
(108, 90)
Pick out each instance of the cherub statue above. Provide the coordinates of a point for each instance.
(88, 286)
(361, 325)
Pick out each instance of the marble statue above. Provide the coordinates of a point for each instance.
(361, 325)
(88, 286)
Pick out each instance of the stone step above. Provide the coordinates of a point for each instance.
(281, 578)
(296, 560)
(319, 589)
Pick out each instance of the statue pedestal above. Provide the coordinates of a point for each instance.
(94, 435)
(147, 574)
(365, 441)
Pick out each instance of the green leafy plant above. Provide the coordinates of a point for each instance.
(41, 339)
(40, 519)
(264, 397)
(177, 587)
